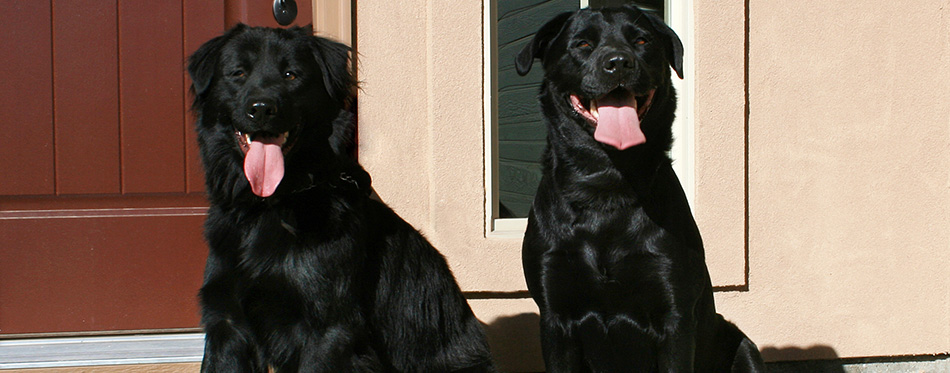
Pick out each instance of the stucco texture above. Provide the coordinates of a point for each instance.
(822, 181)
(848, 160)
(421, 131)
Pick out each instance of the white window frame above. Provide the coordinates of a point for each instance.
(680, 17)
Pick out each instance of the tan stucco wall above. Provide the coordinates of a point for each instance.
(849, 154)
(421, 129)
(834, 178)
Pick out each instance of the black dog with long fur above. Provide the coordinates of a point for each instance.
(612, 254)
(305, 271)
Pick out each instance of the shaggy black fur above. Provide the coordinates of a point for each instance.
(317, 276)
(612, 254)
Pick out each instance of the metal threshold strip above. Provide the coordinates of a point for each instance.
(110, 350)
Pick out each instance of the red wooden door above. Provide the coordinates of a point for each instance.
(101, 190)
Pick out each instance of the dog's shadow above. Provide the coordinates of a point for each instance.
(515, 344)
(820, 359)
(516, 348)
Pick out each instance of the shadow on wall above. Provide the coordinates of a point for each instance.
(515, 343)
(820, 359)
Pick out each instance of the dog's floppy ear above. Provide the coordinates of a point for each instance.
(334, 60)
(675, 51)
(202, 63)
(538, 45)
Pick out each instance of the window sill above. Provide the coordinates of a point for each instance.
(508, 228)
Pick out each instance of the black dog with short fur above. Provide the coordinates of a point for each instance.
(305, 271)
(612, 254)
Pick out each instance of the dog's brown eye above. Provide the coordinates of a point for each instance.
(290, 75)
(583, 44)
(640, 41)
(237, 73)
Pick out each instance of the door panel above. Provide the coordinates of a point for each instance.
(151, 95)
(101, 203)
(201, 20)
(26, 93)
(85, 97)
(100, 270)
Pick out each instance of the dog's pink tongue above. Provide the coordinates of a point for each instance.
(264, 165)
(618, 124)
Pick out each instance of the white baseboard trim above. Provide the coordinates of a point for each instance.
(111, 350)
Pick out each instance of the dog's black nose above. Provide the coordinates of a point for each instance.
(617, 62)
(262, 110)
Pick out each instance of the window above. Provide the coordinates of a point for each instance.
(515, 127)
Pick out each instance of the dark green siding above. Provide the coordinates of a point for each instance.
(521, 134)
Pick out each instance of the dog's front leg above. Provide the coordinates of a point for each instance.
(339, 349)
(228, 343)
(228, 350)
(559, 347)
(677, 351)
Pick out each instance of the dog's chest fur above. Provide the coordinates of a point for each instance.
(276, 249)
(604, 260)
